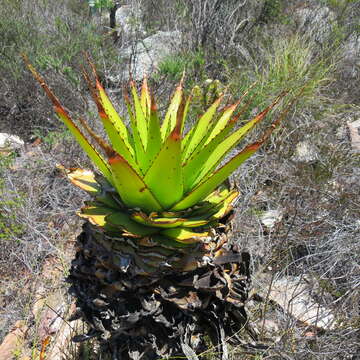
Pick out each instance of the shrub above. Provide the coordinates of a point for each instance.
(271, 11)
(54, 36)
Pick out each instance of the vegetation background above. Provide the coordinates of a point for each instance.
(316, 229)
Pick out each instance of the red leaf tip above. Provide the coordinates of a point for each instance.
(115, 159)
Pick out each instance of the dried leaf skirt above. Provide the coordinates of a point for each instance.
(149, 302)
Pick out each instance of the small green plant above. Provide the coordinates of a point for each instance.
(10, 228)
(101, 4)
(272, 11)
(173, 67)
(52, 137)
(205, 95)
(104, 4)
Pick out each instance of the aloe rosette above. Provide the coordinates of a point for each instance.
(156, 180)
(153, 265)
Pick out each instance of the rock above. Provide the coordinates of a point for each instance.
(49, 308)
(354, 128)
(51, 317)
(342, 133)
(10, 143)
(128, 22)
(316, 22)
(271, 217)
(305, 152)
(62, 346)
(293, 295)
(148, 54)
(351, 55)
(13, 341)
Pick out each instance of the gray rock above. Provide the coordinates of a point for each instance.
(352, 46)
(128, 22)
(316, 22)
(305, 152)
(354, 128)
(351, 57)
(145, 57)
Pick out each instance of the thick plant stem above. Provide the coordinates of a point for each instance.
(165, 313)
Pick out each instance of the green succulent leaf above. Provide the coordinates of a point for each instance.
(209, 184)
(96, 214)
(140, 117)
(215, 155)
(115, 120)
(226, 206)
(185, 236)
(164, 176)
(201, 130)
(130, 227)
(66, 119)
(131, 187)
(169, 243)
(86, 180)
(214, 202)
(171, 115)
(154, 142)
(145, 98)
(167, 222)
(222, 122)
(136, 138)
(195, 164)
(220, 175)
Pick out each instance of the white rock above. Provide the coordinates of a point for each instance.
(354, 129)
(293, 295)
(148, 54)
(352, 46)
(305, 152)
(10, 142)
(271, 217)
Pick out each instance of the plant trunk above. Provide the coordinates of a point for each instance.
(172, 310)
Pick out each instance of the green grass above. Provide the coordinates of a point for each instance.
(287, 64)
(173, 66)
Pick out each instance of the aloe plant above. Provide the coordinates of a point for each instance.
(155, 243)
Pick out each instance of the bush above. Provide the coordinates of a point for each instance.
(54, 35)
(271, 11)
